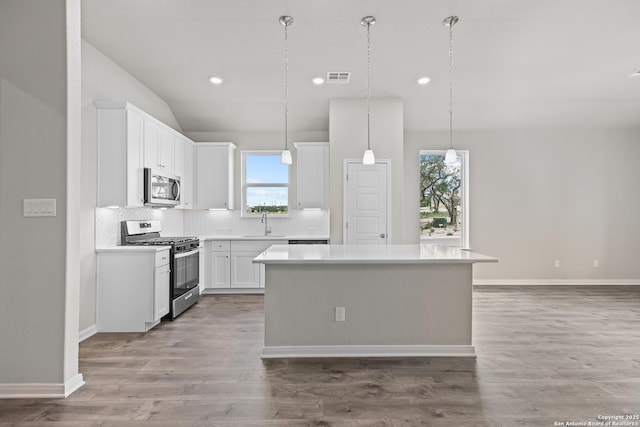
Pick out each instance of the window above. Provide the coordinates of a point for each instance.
(265, 183)
(444, 213)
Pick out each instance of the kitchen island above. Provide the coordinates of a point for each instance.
(368, 301)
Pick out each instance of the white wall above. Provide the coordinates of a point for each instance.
(35, 288)
(348, 135)
(103, 80)
(541, 195)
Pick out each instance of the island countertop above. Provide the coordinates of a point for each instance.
(369, 254)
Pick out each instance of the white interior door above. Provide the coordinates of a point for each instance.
(366, 202)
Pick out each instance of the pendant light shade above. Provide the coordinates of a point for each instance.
(368, 158)
(285, 157)
(450, 157)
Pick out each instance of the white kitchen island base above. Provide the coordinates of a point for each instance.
(399, 301)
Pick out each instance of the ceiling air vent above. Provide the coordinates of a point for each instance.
(341, 77)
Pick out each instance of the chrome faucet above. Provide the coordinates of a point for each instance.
(265, 221)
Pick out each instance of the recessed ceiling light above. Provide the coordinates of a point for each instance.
(215, 80)
(636, 74)
(423, 80)
(317, 80)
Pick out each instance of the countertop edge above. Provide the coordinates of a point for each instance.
(373, 261)
(140, 248)
(260, 238)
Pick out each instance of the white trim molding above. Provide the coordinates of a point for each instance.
(556, 282)
(87, 333)
(37, 391)
(276, 352)
(232, 291)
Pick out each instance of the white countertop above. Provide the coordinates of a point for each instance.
(133, 248)
(268, 237)
(369, 254)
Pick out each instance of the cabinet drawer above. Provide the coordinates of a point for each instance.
(255, 245)
(220, 246)
(162, 258)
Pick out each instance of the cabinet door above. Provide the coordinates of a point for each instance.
(244, 273)
(178, 156)
(312, 172)
(165, 150)
(202, 271)
(187, 181)
(161, 292)
(134, 147)
(220, 270)
(151, 136)
(214, 176)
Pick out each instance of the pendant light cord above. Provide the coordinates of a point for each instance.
(286, 84)
(368, 85)
(451, 84)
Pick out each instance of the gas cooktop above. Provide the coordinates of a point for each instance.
(163, 240)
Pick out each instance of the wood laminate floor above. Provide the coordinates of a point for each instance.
(546, 355)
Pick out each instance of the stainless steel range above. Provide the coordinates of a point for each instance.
(185, 261)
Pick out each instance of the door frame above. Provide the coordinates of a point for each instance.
(345, 171)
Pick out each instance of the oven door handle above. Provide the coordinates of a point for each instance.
(186, 254)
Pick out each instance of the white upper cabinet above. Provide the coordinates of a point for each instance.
(188, 176)
(183, 168)
(214, 175)
(158, 146)
(130, 140)
(120, 155)
(312, 175)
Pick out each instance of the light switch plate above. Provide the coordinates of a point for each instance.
(39, 207)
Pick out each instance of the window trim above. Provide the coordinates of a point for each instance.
(464, 168)
(245, 185)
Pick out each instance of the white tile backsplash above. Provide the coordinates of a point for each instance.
(202, 222)
(108, 222)
(177, 222)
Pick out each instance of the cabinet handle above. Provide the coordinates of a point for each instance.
(188, 296)
(164, 257)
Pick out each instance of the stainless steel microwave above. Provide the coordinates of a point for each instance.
(160, 188)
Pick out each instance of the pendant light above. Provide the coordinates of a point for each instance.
(285, 158)
(451, 156)
(368, 158)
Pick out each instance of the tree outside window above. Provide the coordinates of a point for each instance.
(441, 199)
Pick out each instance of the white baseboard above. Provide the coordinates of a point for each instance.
(86, 333)
(233, 291)
(276, 352)
(558, 282)
(38, 391)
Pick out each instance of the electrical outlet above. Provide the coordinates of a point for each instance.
(557, 264)
(596, 263)
(340, 314)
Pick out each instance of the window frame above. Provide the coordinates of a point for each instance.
(245, 185)
(464, 192)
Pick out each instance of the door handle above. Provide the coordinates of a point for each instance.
(382, 235)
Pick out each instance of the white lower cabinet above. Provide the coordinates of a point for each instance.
(244, 273)
(133, 289)
(161, 283)
(220, 270)
(230, 264)
(202, 270)
(218, 253)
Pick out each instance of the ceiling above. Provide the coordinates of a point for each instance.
(517, 63)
